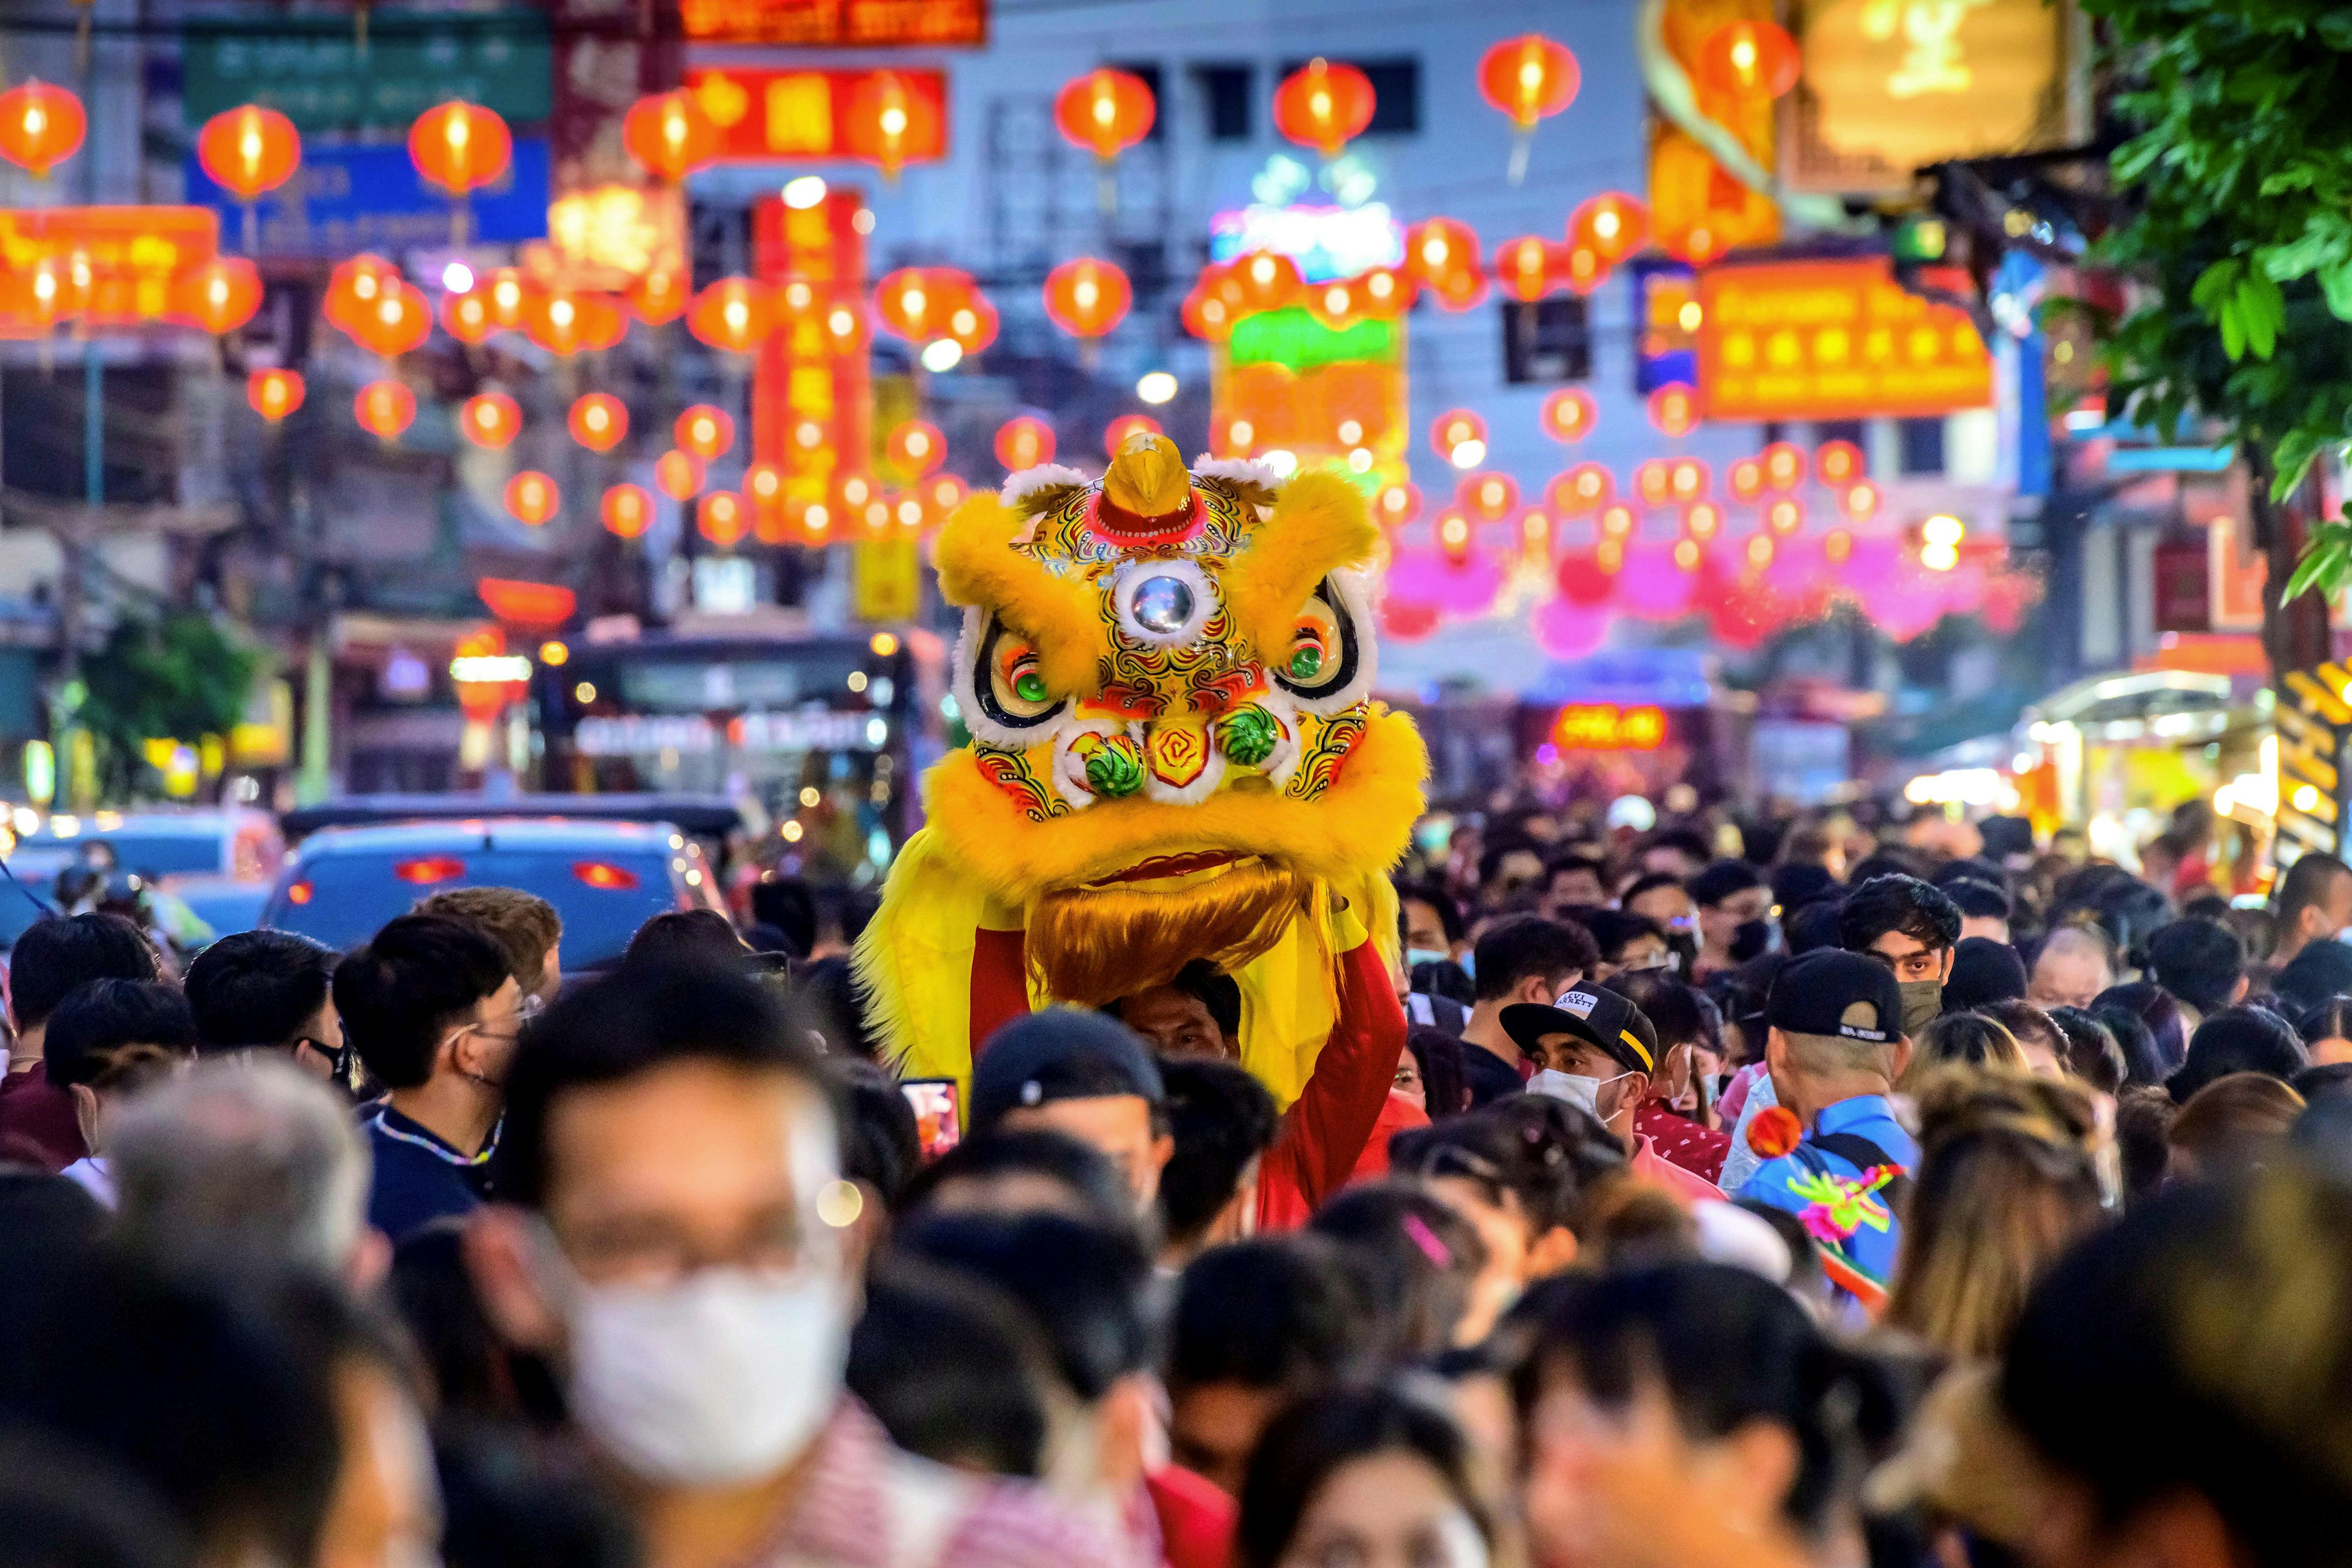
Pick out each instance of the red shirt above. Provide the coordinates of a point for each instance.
(1397, 1115)
(1324, 1132)
(1196, 1519)
(38, 1119)
(1698, 1150)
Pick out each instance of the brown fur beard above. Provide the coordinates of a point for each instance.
(1096, 945)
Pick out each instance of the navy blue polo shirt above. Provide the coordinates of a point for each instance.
(419, 1178)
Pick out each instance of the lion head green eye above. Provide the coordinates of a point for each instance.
(1029, 686)
(1307, 663)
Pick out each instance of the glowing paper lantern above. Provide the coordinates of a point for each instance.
(1125, 428)
(1702, 521)
(1586, 270)
(1745, 478)
(1323, 106)
(972, 325)
(460, 147)
(628, 510)
(669, 134)
(1674, 409)
(1396, 505)
(677, 475)
(512, 297)
(384, 408)
(355, 286)
(1527, 267)
(705, 431)
(599, 421)
(1023, 442)
(566, 323)
(274, 393)
(490, 420)
(658, 297)
(1580, 490)
(916, 448)
(1752, 60)
(1440, 247)
(1784, 465)
(1107, 110)
(1653, 482)
(916, 302)
(40, 126)
(1612, 225)
(1687, 479)
(1859, 501)
(1267, 281)
(1837, 462)
(944, 493)
(1490, 496)
(884, 119)
(397, 323)
(531, 498)
(466, 317)
(1785, 515)
(248, 151)
(1528, 77)
(1454, 432)
(1568, 415)
(735, 314)
(721, 518)
(222, 295)
(1087, 297)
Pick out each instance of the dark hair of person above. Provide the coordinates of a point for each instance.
(2329, 1081)
(218, 1395)
(1671, 1006)
(951, 1365)
(1963, 1040)
(1443, 977)
(827, 994)
(1285, 1312)
(2093, 1052)
(522, 1499)
(2199, 960)
(1720, 879)
(1438, 1054)
(787, 904)
(256, 988)
(2307, 883)
(1576, 1158)
(2157, 1015)
(478, 1377)
(1221, 1118)
(2331, 1020)
(2144, 1114)
(1092, 1183)
(1417, 1258)
(77, 1509)
(1526, 947)
(627, 1023)
(2029, 1024)
(1083, 1284)
(880, 1143)
(1886, 860)
(2233, 1040)
(2199, 1348)
(1647, 882)
(1818, 924)
(1572, 860)
(1431, 892)
(2235, 1122)
(1687, 841)
(1615, 929)
(1730, 1348)
(1976, 900)
(56, 954)
(686, 936)
(1314, 1439)
(399, 995)
(98, 1018)
(1903, 904)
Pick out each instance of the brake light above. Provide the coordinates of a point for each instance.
(603, 874)
(430, 869)
(299, 892)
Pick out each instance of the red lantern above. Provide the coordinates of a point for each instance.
(460, 147)
(944, 494)
(1837, 544)
(1528, 77)
(1267, 281)
(669, 134)
(512, 294)
(972, 325)
(657, 297)
(1397, 505)
(734, 314)
(1674, 409)
(1568, 413)
(1616, 524)
(1454, 432)
(384, 408)
(705, 431)
(1687, 478)
(1125, 428)
(1784, 465)
(1612, 225)
(1323, 106)
(356, 285)
(1758, 551)
(1586, 271)
(917, 302)
(677, 475)
(40, 126)
(1702, 521)
(1785, 515)
(222, 295)
(1697, 243)
(628, 510)
(1440, 247)
(249, 150)
(1490, 496)
(1746, 478)
(1653, 483)
(1837, 462)
(490, 420)
(1580, 490)
(599, 421)
(1107, 110)
(1023, 442)
(916, 448)
(274, 393)
(1527, 267)
(1455, 535)
(1753, 61)
(1087, 297)
(398, 321)
(531, 498)
(884, 120)
(466, 317)
(721, 518)
(1384, 293)
(565, 323)
(1859, 501)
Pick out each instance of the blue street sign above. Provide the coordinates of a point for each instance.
(370, 197)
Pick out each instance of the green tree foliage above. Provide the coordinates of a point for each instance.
(178, 676)
(2239, 178)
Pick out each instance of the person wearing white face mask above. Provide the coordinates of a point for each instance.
(678, 1239)
(1597, 1051)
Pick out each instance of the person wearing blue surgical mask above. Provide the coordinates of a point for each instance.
(1432, 925)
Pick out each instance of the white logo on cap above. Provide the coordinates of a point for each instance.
(1581, 1003)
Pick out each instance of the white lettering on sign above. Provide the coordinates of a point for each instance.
(811, 728)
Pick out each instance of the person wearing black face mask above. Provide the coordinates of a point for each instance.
(1911, 928)
(1734, 906)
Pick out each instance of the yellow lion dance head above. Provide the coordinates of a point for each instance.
(1174, 755)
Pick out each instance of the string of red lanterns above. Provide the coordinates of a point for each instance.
(1530, 78)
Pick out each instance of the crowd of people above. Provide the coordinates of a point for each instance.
(1696, 1199)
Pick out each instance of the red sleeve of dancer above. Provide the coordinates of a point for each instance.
(1000, 982)
(1326, 1128)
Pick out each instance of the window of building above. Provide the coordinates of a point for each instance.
(1225, 100)
(1546, 340)
(1150, 75)
(1922, 450)
(1396, 94)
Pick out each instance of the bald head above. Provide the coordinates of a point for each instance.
(2073, 965)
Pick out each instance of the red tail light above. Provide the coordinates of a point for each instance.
(603, 874)
(428, 869)
(299, 892)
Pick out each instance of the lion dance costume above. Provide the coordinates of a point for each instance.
(1174, 755)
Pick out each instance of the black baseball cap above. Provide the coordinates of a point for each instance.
(1838, 995)
(1599, 1017)
(1062, 1053)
